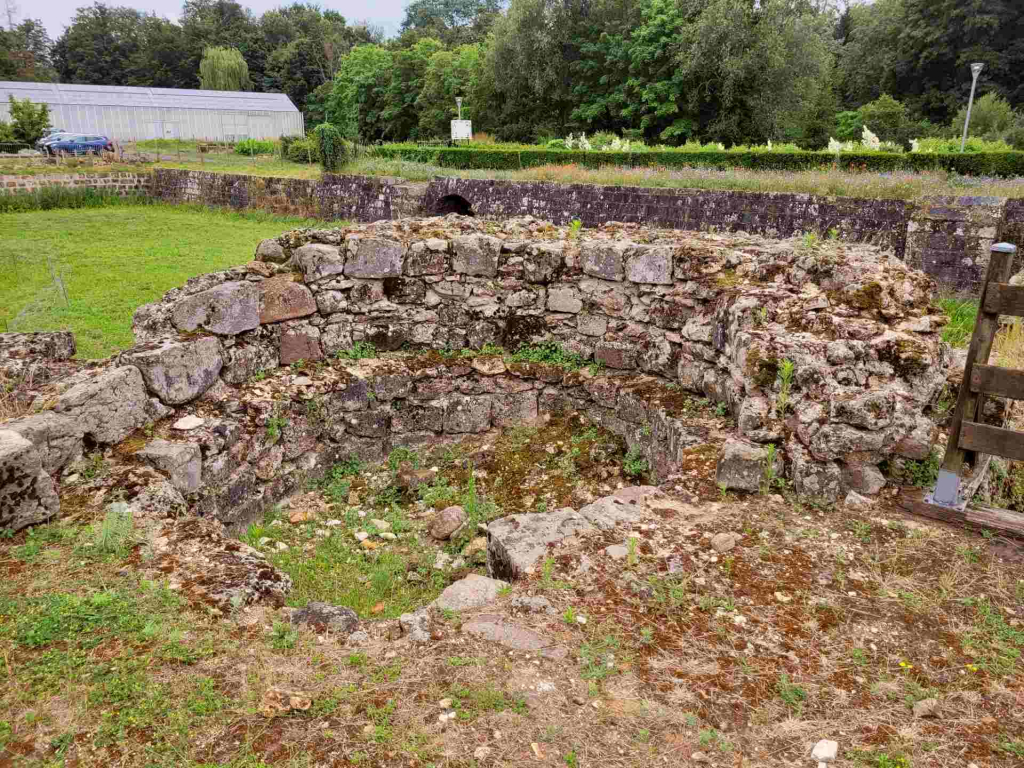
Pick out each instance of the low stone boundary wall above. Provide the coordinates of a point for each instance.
(125, 184)
(781, 215)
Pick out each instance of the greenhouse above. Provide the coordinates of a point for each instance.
(131, 114)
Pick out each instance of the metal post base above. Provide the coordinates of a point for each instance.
(947, 492)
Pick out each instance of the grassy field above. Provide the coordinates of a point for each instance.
(111, 260)
(841, 183)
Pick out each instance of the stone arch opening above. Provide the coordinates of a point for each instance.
(453, 204)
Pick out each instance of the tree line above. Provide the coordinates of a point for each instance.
(665, 71)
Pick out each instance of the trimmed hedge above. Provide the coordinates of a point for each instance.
(469, 158)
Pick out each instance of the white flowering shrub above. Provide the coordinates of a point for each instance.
(869, 140)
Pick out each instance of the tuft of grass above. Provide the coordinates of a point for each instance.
(361, 350)
(634, 465)
(114, 535)
(962, 312)
(550, 353)
(792, 695)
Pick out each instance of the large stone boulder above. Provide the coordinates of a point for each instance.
(226, 309)
(319, 260)
(178, 372)
(27, 494)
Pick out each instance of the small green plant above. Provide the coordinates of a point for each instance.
(283, 636)
(439, 493)
(723, 491)
(769, 474)
(811, 240)
(361, 350)
(632, 555)
(574, 229)
(597, 657)
(402, 454)
(114, 534)
(93, 467)
(786, 370)
(760, 316)
(550, 353)
(569, 616)
(646, 636)
(635, 465)
(275, 426)
(861, 529)
(571, 761)
(721, 410)
(792, 695)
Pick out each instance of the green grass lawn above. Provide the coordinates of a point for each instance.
(111, 260)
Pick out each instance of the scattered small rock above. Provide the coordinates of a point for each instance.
(361, 535)
(445, 703)
(447, 522)
(825, 751)
(855, 500)
(279, 702)
(723, 542)
(442, 561)
(388, 536)
(616, 551)
(473, 591)
(926, 708)
(325, 617)
(380, 525)
(481, 753)
(188, 422)
(416, 625)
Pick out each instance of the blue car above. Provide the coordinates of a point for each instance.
(80, 144)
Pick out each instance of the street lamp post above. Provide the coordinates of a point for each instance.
(975, 71)
(458, 103)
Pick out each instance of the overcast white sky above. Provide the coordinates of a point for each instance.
(56, 14)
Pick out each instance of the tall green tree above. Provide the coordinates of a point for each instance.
(25, 52)
(453, 22)
(224, 69)
(866, 59)
(226, 24)
(359, 95)
(409, 65)
(938, 40)
(99, 45)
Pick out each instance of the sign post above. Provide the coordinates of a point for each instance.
(462, 130)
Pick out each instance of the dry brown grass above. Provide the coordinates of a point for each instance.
(15, 399)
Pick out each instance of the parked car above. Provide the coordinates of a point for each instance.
(52, 135)
(80, 144)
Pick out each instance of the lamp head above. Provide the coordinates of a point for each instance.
(976, 68)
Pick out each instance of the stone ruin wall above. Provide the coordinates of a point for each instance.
(666, 316)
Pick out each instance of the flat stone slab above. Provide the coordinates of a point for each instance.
(515, 544)
(497, 630)
(474, 591)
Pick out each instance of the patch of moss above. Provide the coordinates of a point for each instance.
(906, 356)
(762, 370)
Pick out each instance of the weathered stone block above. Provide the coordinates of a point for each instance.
(318, 261)
(244, 360)
(564, 300)
(604, 259)
(863, 478)
(374, 257)
(284, 299)
(182, 462)
(514, 408)
(650, 264)
(375, 423)
(871, 410)
(422, 259)
(616, 354)
(476, 255)
(467, 414)
(270, 250)
(592, 325)
(741, 465)
(178, 372)
(27, 494)
(300, 344)
(227, 309)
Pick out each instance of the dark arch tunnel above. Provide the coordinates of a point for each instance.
(453, 204)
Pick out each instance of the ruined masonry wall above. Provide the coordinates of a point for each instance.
(664, 315)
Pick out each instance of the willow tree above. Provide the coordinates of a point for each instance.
(224, 69)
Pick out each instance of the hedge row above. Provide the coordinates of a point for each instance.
(466, 158)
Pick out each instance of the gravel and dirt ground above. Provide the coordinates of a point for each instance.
(718, 629)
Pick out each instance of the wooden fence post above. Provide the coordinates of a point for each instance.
(969, 403)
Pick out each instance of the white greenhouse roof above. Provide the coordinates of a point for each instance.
(126, 96)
